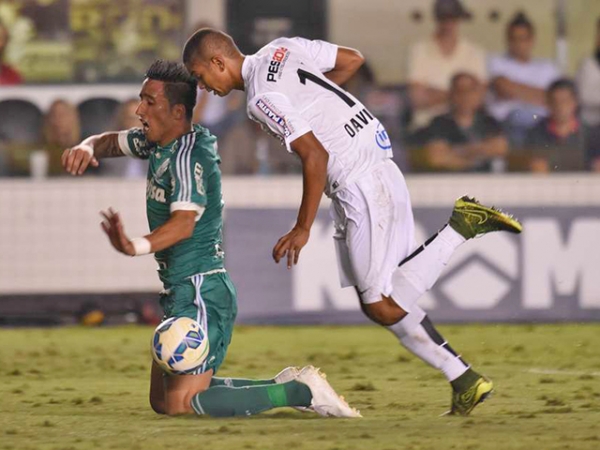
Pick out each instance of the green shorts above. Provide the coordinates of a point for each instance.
(211, 301)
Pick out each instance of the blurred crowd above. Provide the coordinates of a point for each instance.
(461, 110)
(475, 112)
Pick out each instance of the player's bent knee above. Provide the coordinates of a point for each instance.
(158, 406)
(179, 403)
(175, 410)
(177, 407)
(386, 312)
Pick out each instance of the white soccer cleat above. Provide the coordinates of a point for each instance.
(287, 374)
(326, 401)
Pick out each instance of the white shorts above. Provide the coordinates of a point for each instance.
(374, 230)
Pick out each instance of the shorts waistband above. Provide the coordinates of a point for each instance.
(354, 179)
(212, 272)
(166, 290)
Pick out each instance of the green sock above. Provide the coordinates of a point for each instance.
(225, 401)
(238, 382)
(465, 381)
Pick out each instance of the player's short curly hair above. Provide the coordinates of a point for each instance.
(180, 86)
(206, 42)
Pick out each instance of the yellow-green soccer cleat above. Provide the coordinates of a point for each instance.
(464, 402)
(470, 218)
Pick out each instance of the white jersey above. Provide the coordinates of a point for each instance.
(289, 96)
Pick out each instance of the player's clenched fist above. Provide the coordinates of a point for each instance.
(76, 159)
(290, 245)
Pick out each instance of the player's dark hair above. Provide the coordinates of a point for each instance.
(180, 86)
(206, 41)
(563, 83)
(520, 20)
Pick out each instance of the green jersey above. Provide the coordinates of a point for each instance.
(183, 175)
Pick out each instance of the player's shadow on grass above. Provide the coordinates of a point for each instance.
(293, 415)
(280, 415)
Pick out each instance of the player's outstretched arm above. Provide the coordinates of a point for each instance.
(180, 226)
(314, 176)
(76, 159)
(347, 62)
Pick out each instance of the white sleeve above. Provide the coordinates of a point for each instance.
(322, 53)
(133, 143)
(275, 112)
(188, 206)
(124, 144)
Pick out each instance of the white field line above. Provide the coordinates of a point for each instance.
(561, 372)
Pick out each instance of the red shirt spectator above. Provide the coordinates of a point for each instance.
(8, 75)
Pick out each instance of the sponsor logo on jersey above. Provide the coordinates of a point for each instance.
(382, 138)
(358, 122)
(268, 110)
(277, 63)
(173, 180)
(161, 170)
(139, 145)
(155, 193)
(198, 171)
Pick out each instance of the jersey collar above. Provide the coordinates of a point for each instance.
(174, 145)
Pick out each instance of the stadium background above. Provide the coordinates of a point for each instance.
(55, 263)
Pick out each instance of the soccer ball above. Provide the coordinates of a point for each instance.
(179, 345)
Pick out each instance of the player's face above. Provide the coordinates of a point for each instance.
(563, 105)
(520, 42)
(155, 112)
(211, 76)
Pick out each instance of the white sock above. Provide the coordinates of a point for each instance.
(418, 335)
(417, 274)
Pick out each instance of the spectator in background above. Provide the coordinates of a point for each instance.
(4, 159)
(562, 142)
(588, 84)
(61, 130)
(466, 138)
(362, 82)
(8, 75)
(218, 114)
(433, 63)
(247, 150)
(125, 119)
(519, 82)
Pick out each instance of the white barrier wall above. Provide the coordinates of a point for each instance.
(51, 243)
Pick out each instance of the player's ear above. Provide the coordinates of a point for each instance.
(219, 62)
(179, 111)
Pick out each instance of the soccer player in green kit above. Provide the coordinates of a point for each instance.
(185, 214)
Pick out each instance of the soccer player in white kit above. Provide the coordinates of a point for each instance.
(292, 88)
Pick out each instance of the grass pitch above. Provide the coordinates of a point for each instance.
(77, 388)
